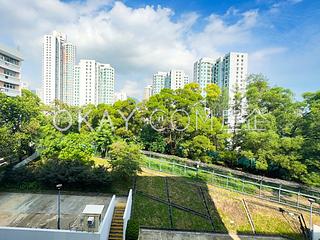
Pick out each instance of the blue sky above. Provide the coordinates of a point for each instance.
(141, 37)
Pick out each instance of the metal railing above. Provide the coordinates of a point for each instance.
(278, 194)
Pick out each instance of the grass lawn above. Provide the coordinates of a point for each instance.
(186, 221)
(150, 213)
(225, 207)
(272, 221)
(186, 195)
(154, 186)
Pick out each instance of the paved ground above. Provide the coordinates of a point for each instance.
(146, 234)
(39, 210)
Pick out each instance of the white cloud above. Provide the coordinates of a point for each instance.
(263, 54)
(132, 88)
(218, 33)
(136, 41)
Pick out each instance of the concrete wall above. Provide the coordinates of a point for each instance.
(316, 232)
(107, 220)
(127, 213)
(11, 233)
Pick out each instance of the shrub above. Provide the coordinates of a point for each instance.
(72, 173)
(132, 230)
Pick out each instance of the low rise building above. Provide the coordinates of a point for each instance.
(10, 71)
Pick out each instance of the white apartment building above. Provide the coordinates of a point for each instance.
(176, 79)
(52, 66)
(158, 82)
(105, 83)
(202, 71)
(229, 73)
(76, 89)
(68, 63)
(94, 83)
(58, 68)
(10, 71)
(147, 92)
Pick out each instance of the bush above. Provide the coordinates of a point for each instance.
(72, 174)
(132, 230)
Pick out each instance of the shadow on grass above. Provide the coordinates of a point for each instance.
(173, 202)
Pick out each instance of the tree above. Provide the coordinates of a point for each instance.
(73, 146)
(277, 147)
(124, 159)
(198, 148)
(103, 138)
(22, 117)
(9, 144)
(309, 128)
(152, 140)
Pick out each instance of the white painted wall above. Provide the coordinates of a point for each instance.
(127, 213)
(12, 233)
(107, 220)
(316, 232)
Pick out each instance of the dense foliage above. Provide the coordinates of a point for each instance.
(279, 137)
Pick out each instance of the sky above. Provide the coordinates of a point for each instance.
(139, 38)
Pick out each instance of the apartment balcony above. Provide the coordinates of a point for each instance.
(9, 66)
(10, 92)
(9, 79)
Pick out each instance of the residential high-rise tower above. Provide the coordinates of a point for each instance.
(158, 82)
(59, 58)
(94, 83)
(202, 71)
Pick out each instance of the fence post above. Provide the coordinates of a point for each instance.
(212, 176)
(279, 195)
(260, 187)
(298, 196)
(185, 169)
(242, 185)
(149, 163)
(227, 181)
(160, 167)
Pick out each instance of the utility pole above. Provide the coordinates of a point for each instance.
(311, 201)
(59, 186)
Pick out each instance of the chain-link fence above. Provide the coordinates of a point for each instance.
(275, 193)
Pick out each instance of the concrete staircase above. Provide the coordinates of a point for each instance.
(116, 230)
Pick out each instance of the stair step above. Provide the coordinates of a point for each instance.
(115, 235)
(118, 223)
(118, 230)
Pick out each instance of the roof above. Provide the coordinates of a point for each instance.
(10, 52)
(93, 209)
